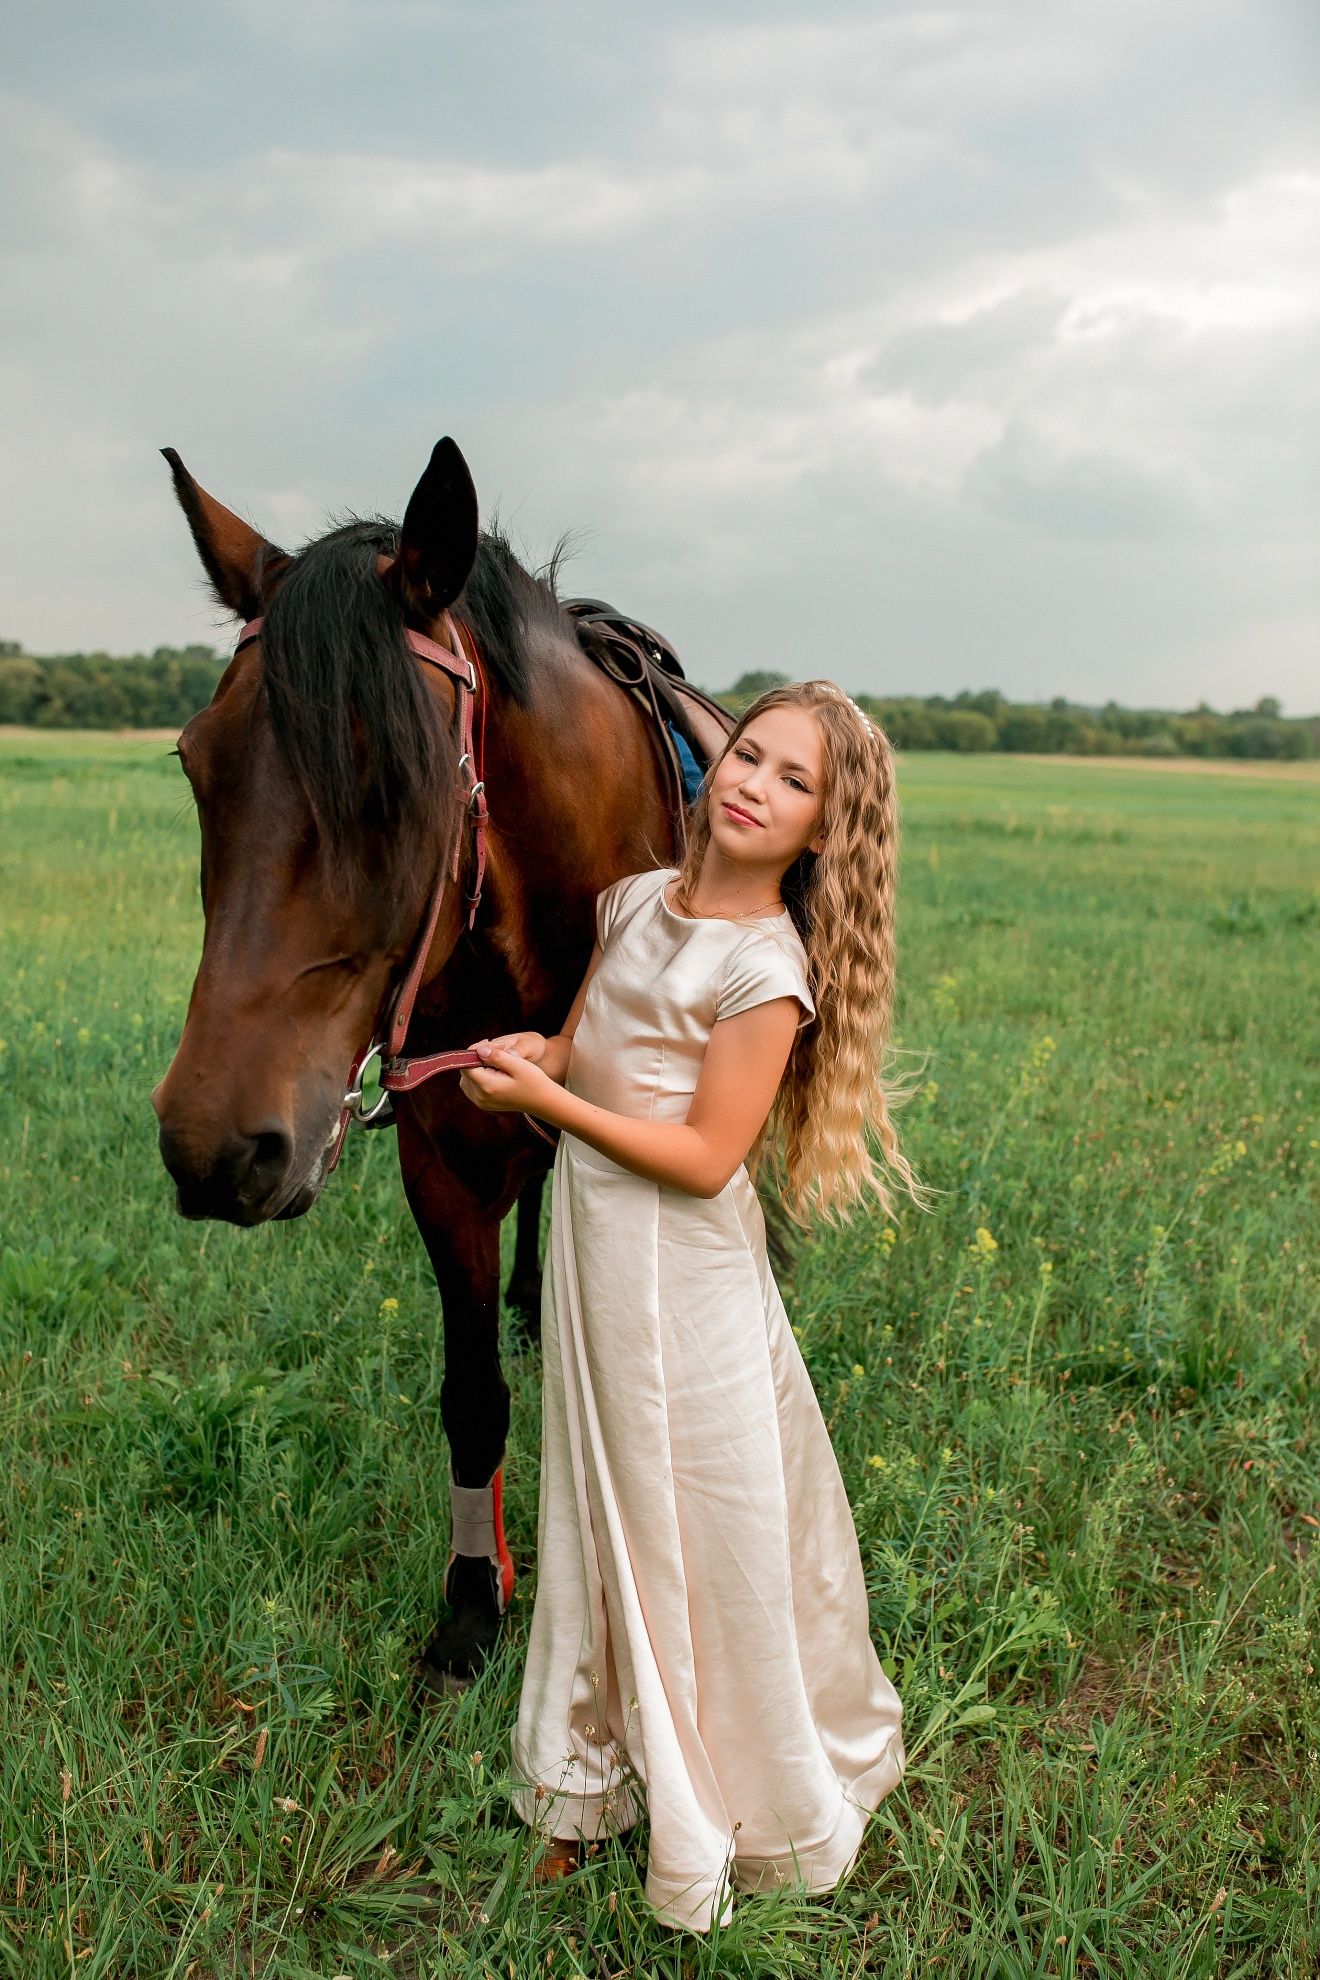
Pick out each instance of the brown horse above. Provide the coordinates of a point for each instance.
(330, 792)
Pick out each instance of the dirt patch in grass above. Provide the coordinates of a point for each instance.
(1307, 771)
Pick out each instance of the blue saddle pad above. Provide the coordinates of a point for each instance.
(692, 771)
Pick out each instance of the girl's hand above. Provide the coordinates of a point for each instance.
(530, 1045)
(508, 1083)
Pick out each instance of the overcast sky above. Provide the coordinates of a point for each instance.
(926, 347)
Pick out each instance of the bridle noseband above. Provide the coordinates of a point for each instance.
(461, 661)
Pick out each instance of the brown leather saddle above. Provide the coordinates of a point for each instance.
(646, 666)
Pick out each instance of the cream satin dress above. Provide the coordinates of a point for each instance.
(699, 1646)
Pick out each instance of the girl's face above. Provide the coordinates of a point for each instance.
(765, 796)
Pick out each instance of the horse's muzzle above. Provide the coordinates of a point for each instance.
(241, 1179)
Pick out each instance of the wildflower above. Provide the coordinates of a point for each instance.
(943, 997)
(858, 1369)
(983, 1244)
(876, 1463)
(389, 1306)
(888, 1236)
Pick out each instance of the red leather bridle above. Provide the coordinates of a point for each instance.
(461, 661)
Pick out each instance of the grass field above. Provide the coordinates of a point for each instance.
(1075, 1409)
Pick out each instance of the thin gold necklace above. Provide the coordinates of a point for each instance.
(714, 915)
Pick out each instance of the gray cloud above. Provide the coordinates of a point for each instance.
(928, 348)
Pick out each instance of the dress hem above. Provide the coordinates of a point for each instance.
(558, 1813)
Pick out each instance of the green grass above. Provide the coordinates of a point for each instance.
(1081, 1447)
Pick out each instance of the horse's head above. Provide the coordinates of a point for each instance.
(326, 775)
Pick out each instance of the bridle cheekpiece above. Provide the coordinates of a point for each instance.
(460, 660)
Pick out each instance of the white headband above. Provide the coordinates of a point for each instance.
(866, 720)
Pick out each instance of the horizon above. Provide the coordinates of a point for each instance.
(12, 649)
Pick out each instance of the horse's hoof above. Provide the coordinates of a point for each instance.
(460, 1646)
(439, 1683)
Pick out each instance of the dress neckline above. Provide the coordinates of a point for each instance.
(693, 920)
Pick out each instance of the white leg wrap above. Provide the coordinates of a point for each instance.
(472, 1520)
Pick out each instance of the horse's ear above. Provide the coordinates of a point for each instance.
(438, 546)
(243, 567)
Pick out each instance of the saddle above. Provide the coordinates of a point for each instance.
(646, 666)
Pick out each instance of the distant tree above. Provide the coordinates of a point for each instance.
(1267, 705)
(964, 729)
(1198, 734)
(748, 687)
(1257, 736)
(987, 702)
(1029, 729)
(20, 688)
(906, 723)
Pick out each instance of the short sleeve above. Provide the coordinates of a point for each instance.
(606, 902)
(760, 969)
(611, 899)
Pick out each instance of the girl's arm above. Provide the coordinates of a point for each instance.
(555, 1051)
(740, 1074)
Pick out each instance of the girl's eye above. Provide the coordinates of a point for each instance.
(745, 756)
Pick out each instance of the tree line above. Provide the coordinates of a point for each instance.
(160, 690)
(989, 721)
(164, 689)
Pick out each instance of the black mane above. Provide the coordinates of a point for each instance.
(348, 704)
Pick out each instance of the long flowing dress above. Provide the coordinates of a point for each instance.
(699, 1643)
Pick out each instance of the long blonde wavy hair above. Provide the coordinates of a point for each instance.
(835, 1100)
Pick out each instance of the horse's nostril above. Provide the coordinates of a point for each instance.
(234, 1177)
(272, 1151)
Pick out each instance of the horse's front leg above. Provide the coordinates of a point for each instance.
(458, 1212)
(522, 1295)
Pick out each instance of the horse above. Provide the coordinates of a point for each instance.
(405, 704)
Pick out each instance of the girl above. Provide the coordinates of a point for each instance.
(699, 1643)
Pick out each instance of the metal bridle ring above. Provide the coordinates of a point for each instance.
(364, 1116)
